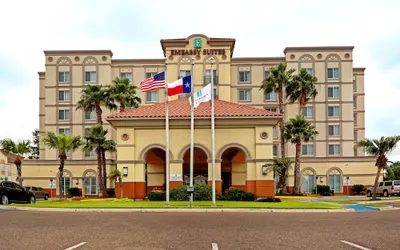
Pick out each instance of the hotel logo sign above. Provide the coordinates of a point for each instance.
(197, 43)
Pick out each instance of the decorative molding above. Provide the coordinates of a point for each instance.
(263, 135)
(125, 137)
(234, 145)
(196, 145)
(142, 155)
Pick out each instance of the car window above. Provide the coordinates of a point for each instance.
(16, 186)
(388, 183)
(8, 185)
(396, 183)
(380, 184)
(34, 189)
(39, 189)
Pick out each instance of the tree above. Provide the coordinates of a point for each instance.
(379, 148)
(393, 171)
(302, 88)
(34, 152)
(63, 143)
(93, 97)
(96, 140)
(18, 149)
(116, 175)
(297, 130)
(125, 93)
(280, 167)
(278, 78)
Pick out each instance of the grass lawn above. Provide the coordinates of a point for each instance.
(285, 204)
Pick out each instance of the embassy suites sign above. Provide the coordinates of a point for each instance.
(197, 52)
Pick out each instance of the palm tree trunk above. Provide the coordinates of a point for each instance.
(100, 175)
(98, 114)
(281, 110)
(18, 164)
(122, 107)
(60, 177)
(378, 172)
(297, 188)
(120, 188)
(104, 166)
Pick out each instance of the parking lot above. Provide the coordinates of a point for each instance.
(123, 231)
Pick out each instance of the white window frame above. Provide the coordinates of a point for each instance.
(127, 75)
(246, 76)
(89, 186)
(335, 130)
(150, 74)
(63, 131)
(67, 115)
(309, 70)
(306, 114)
(270, 96)
(64, 77)
(183, 73)
(274, 132)
(309, 149)
(246, 95)
(333, 91)
(336, 149)
(267, 73)
(92, 76)
(207, 76)
(271, 109)
(64, 91)
(334, 107)
(354, 102)
(354, 85)
(275, 150)
(335, 73)
(152, 94)
(90, 154)
(92, 115)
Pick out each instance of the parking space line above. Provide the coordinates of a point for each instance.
(76, 246)
(355, 245)
(214, 246)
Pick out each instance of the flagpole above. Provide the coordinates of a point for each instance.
(212, 134)
(166, 137)
(191, 134)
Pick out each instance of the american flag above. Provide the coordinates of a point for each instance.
(154, 82)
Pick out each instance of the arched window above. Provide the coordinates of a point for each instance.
(334, 180)
(90, 182)
(66, 180)
(308, 177)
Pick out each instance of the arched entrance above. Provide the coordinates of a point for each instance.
(200, 167)
(233, 168)
(155, 169)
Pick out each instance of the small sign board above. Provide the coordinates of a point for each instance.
(346, 182)
(175, 177)
(52, 185)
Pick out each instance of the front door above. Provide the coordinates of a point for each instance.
(226, 178)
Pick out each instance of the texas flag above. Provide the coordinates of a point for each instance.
(180, 86)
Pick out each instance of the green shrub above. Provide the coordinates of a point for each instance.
(323, 190)
(221, 197)
(358, 188)
(111, 192)
(179, 194)
(238, 194)
(156, 195)
(202, 192)
(269, 199)
(74, 191)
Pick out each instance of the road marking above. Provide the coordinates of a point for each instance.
(214, 246)
(355, 245)
(76, 246)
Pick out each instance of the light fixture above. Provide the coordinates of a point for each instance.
(321, 179)
(77, 182)
(264, 169)
(125, 171)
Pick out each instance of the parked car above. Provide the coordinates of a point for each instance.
(39, 192)
(385, 188)
(12, 192)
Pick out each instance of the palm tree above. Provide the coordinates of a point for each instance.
(297, 130)
(96, 140)
(93, 97)
(302, 89)
(19, 149)
(278, 78)
(116, 175)
(125, 93)
(379, 148)
(63, 143)
(280, 167)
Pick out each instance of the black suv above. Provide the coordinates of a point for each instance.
(12, 192)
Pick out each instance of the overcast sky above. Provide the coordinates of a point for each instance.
(133, 29)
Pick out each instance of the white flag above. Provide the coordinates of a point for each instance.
(203, 95)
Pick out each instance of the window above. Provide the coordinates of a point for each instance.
(207, 77)
(355, 135)
(355, 102)
(90, 76)
(267, 74)
(184, 73)
(333, 73)
(334, 181)
(355, 119)
(270, 96)
(215, 94)
(307, 181)
(127, 75)
(90, 154)
(333, 92)
(354, 86)
(380, 184)
(66, 179)
(244, 95)
(185, 95)
(275, 132)
(90, 183)
(244, 76)
(307, 111)
(63, 77)
(270, 109)
(308, 70)
(64, 95)
(307, 149)
(91, 115)
(333, 111)
(333, 130)
(388, 183)
(65, 131)
(396, 183)
(275, 150)
(334, 149)
(152, 96)
(64, 114)
(150, 74)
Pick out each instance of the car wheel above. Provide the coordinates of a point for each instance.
(4, 200)
(32, 199)
(46, 197)
(369, 194)
(385, 193)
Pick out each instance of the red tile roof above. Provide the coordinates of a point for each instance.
(181, 108)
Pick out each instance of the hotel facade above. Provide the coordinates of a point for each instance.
(247, 135)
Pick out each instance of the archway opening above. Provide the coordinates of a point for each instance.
(155, 169)
(233, 169)
(200, 167)
(308, 178)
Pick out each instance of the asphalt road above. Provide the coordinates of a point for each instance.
(191, 231)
